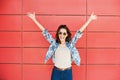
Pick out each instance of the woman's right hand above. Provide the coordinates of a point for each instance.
(31, 15)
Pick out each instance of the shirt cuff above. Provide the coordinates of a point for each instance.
(79, 32)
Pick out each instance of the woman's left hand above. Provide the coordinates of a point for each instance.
(93, 16)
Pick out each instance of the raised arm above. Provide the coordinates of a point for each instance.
(92, 17)
(79, 32)
(47, 35)
(32, 16)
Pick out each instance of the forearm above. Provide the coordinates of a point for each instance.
(39, 25)
(85, 25)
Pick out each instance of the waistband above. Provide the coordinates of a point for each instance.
(62, 69)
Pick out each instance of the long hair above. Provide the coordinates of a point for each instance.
(68, 38)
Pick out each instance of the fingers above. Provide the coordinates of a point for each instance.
(93, 16)
(29, 13)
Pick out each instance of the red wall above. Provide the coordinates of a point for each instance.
(23, 48)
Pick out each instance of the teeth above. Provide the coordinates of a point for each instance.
(62, 38)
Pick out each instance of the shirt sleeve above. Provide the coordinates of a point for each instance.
(78, 35)
(48, 36)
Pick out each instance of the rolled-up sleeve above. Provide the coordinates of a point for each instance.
(78, 35)
(48, 36)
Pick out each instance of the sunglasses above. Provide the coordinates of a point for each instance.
(60, 33)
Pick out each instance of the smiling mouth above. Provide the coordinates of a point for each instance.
(62, 37)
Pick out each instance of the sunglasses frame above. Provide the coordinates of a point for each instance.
(64, 33)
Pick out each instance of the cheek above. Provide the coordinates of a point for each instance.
(61, 36)
(65, 36)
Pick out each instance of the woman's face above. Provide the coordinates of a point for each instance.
(62, 34)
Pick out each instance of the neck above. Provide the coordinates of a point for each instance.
(63, 42)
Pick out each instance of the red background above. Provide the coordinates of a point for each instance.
(23, 48)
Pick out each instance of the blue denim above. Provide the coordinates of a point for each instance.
(54, 45)
(61, 75)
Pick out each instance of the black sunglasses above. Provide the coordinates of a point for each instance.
(60, 33)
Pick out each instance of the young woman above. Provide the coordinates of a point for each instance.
(62, 50)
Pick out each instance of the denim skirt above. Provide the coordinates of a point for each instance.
(58, 74)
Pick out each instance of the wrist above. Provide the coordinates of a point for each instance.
(89, 20)
(34, 19)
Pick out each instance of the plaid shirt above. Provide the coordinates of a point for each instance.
(54, 45)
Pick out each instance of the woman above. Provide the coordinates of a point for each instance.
(62, 49)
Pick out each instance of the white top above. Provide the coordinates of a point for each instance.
(62, 57)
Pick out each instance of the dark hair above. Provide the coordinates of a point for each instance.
(68, 38)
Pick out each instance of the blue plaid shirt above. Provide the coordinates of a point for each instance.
(54, 45)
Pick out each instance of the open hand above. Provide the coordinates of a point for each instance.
(93, 16)
(31, 15)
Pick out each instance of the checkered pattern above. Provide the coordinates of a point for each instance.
(70, 45)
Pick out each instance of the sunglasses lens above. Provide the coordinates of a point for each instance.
(64, 34)
(60, 33)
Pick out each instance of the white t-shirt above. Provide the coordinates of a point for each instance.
(62, 57)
